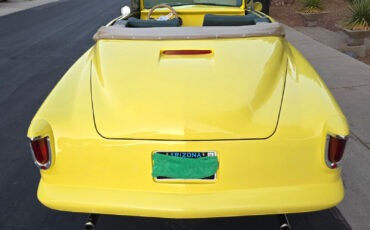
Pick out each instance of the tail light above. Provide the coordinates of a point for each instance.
(41, 152)
(186, 52)
(334, 150)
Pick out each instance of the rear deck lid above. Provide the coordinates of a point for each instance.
(233, 92)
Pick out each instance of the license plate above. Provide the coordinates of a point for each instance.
(187, 155)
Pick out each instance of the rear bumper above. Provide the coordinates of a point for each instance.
(273, 200)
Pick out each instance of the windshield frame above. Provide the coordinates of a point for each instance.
(242, 5)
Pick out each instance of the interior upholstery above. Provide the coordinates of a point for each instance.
(138, 23)
(235, 20)
(257, 20)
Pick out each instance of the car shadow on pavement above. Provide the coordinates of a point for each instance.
(330, 219)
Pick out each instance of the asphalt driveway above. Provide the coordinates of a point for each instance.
(37, 46)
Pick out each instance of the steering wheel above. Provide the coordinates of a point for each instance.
(162, 6)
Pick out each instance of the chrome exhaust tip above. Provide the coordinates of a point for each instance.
(284, 222)
(285, 227)
(89, 226)
(91, 222)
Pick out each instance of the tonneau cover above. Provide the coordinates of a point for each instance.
(119, 32)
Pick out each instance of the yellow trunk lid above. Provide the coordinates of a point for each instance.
(235, 92)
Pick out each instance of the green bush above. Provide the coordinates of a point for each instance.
(312, 6)
(359, 18)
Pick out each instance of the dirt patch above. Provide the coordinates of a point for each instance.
(366, 59)
(286, 12)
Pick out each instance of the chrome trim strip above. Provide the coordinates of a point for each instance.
(48, 164)
(35, 138)
(328, 163)
(341, 137)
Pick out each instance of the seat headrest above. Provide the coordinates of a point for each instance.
(226, 20)
(138, 23)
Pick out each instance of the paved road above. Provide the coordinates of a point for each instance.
(36, 47)
(11, 6)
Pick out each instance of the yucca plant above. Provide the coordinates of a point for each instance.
(312, 6)
(359, 18)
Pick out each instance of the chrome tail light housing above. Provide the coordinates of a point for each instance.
(334, 150)
(41, 152)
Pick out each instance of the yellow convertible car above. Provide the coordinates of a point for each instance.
(190, 109)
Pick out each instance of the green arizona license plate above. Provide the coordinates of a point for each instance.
(177, 163)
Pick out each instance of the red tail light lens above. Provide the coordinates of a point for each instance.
(334, 150)
(186, 52)
(41, 152)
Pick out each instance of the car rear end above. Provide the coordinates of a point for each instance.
(252, 102)
(254, 177)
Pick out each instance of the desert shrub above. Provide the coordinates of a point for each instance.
(312, 6)
(359, 18)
